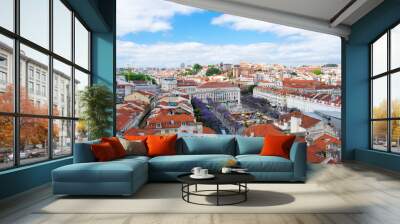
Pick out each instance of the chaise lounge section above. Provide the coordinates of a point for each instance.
(125, 176)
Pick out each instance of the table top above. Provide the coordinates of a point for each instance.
(220, 178)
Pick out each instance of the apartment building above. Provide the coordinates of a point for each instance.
(220, 92)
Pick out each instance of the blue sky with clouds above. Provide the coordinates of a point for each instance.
(165, 34)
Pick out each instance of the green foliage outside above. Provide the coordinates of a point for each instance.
(380, 128)
(135, 76)
(187, 72)
(97, 104)
(213, 71)
(331, 65)
(193, 71)
(317, 71)
(197, 68)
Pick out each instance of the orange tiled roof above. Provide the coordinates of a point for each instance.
(319, 147)
(182, 83)
(140, 131)
(262, 129)
(207, 130)
(217, 85)
(170, 121)
(146, 93)
(306, 121)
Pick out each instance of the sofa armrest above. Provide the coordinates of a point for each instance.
(83, 152)
(298, 155)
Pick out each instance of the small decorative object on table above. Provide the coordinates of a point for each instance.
(231, 165)
(200, 173)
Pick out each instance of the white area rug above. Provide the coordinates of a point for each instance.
(166, 198)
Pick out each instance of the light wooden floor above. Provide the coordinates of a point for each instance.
(379, 189)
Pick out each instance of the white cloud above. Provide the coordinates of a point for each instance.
(148, 15)
(245, 24)
(318, 50)
(296, 47)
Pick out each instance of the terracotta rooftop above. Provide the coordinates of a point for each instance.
(217, 85)
(146, 93)
(262, 129)
(140, 131)
(170, 121)
(319, 147)
(207, 130)
(182, 83)
(306, 121)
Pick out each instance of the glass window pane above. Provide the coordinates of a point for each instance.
(7, 14)
(62, 89)
(379, 135)
(62, 29)
(35, 21)
(81, 131)
(6, 142)
(6, 74)
(34, 72)
(62, 138)
(379, 98)
(33, 139)
(395, 47)
(395, 136)
(379, 55)
(395, 94)
(81, 45)
(81, 82)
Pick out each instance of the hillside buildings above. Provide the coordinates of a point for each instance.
(313, 97)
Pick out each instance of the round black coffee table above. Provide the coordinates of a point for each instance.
(238, 179)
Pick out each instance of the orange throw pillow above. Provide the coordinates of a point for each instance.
(103, 152)
(116, 145)
(161, 145)
(277, 145)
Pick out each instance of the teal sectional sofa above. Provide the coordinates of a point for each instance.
(125, 176)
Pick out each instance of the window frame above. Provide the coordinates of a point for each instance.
(16, 114)
(388, 74)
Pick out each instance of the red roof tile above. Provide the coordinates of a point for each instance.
(139, 131)
(217, 85)
(170, 121)
(262, 129)
(318, 148)
(207, 130)
(306, 121)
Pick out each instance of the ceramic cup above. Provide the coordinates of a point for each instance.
(203, 172)
(226, 170)
(196, 171)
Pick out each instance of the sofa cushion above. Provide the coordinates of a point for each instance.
(257, 163)
(277, 145)
(103, 152)
(83, 152)
(134, 147)
(116, 145)
(196, 145)
(185, 163)
(249, 145)
(112, 171)
(134, 157)
(161, 145)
